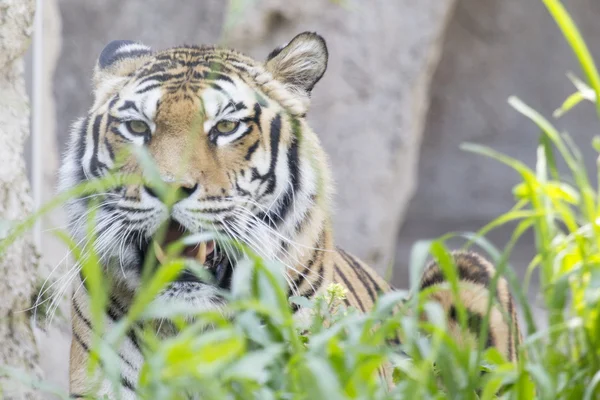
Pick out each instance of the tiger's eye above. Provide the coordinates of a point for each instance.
(139, 127)
(227, 126)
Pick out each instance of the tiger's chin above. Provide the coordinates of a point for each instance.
(187, 300)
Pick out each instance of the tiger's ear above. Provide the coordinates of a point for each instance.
(120, 58)
(301, 63)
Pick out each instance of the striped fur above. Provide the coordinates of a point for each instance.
(266, 184)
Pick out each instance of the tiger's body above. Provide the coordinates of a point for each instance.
(231, 134)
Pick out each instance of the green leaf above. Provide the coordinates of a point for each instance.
(568, 104)
(575, 40)
(253, 366)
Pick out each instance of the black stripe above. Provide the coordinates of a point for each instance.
(161, 77)
(362, 274)
(315, 286)
(275, 137)
(474, 322)
(148, 88)
(212, 210)
(284, 205)
(480, 276)
(281, 210)
(113, 101)
(222, 109)
(109, 147)
(117, 132)
(116, 312)
(306, 218)
(510, 329)
(80, 149)
(252, 149)
(112, 314)
(313, 260)
(134, 53)
(89, 325)
(357, 267)
(216, 86)
(349, 287)
(243, 134)
(135, 210)
(124, 381)
(128, 104)
(121, 56)
(81, 342)
(294, 164)
(211, 75)
(434, 279)
(270, 177)
(241, 191)
(257, 116)
(95, 165)
(81, 316)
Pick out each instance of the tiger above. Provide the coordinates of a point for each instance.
(231, 135)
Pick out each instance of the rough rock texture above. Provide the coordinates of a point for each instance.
(87, 26)
(55, 338)
(493, 49)
(370, 106)
(368, 109)
(18, 263)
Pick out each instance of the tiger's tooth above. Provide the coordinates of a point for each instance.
(160, 254)
(201, 256)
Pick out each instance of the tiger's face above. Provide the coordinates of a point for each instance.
(227, 132)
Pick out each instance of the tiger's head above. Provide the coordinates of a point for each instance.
(229, 132)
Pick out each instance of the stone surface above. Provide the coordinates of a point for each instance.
(18, 262)
(87, 26)
(53, 338)
(368, 109)
(493, 49)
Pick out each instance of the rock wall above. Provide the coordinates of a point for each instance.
(492, 49)
(370, 106)
(368, 109)
(18, 263)
(53, 339)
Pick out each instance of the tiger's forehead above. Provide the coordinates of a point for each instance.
(211, 78)
(197, 63)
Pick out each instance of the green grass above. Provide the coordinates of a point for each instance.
(262, 353)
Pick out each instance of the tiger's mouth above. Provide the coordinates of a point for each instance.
(208, 254)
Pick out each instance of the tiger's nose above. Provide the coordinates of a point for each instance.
(188, 189)
(183, 190)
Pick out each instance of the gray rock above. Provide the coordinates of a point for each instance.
(368, 109)
(370, 106)
(18, 262)
(89, 25)
(492, 50)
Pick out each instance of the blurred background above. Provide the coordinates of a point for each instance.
(407, 83)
